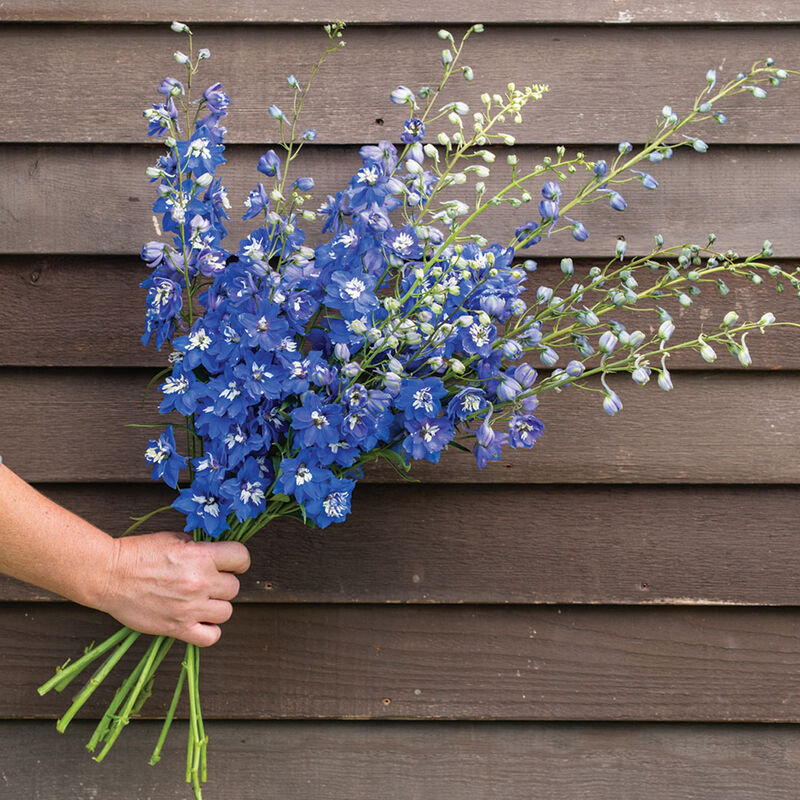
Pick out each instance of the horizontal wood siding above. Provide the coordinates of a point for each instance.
(604, 617)
(91, 307)
(416, 761)
(501, 544)
(383, 12)
(49, 199)
(610, 102)
(509, 662)
(683, 436)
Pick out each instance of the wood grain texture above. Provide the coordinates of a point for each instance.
(95, 200)
(384, 12)
(538, 663)
(505, 544)
(92, 309)
(414, 761)
(350, 100)
(712, 428)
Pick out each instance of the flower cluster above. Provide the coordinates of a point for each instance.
(401, 332)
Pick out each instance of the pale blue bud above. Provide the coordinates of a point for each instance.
(636, 339)
(341, 351)
(548, 357)
(707, 353)
(665, 380)
(666, 329)
(607, 343)
(544, 294)
(575, 369)
(611, 403)
(731, 318)
(401, 95)
(526, 375)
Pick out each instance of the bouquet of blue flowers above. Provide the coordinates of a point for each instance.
(404, 332)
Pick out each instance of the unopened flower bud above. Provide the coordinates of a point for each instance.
(341, 351)
(607, 343)
(456, 366)
(767, 319)
(665, 380)
(743, 354)
(575, 369)
(526, 375)
(666, 329)
(206, 179)
(640, 375)
(611, 403)
(707, 353)
(180, 57)
(392, 382)
(731, 318)
(180, 27)
(352, 369)
(548, 357)
(635, 339)
(401, 95)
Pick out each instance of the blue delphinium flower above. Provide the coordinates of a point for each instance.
(163, 455)
(333, 505)
(413, 131)
(247, 491)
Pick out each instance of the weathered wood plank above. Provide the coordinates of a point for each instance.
(69, 426)
(93, 309)
(385, 12)
(94, 199)
(415, 761)
(547, 663)
(350, 102)
(505, 544)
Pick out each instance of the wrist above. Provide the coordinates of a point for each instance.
(94, 583)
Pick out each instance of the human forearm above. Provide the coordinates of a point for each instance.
(49, 546)
(160, 583)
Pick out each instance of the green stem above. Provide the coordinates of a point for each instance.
(96, 680)
(64, 675)
(194, 754)
(124, 718)
(156, 757)
(108, 717)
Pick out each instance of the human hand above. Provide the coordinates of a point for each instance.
(167, 584)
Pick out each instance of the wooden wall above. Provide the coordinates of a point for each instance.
(609, 617)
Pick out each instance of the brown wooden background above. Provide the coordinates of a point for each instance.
(611, 616)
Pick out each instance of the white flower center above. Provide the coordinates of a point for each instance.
(423, 399)
(175, 385)
(355, 288)
(199, 339)
(428, 431)
(335, 504)
(368, 175)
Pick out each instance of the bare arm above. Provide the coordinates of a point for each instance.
(159, 583)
